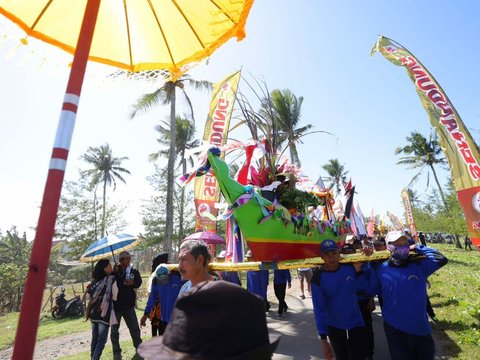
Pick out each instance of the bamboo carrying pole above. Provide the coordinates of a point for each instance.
(294, 264)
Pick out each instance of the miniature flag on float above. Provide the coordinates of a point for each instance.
(456, 142)
(409, 213)
(216, 131)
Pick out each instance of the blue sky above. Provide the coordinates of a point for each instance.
(318, 49)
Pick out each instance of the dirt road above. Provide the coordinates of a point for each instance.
(299, 339)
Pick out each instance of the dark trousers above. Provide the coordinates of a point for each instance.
(132, 323)
(280, 290)
(404, 346)
(267, 306)
(367, 319)
(348, 344)
(159, 328)
(99, 339)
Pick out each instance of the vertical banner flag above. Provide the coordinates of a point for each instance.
(206, 189)
(409, 213)
(457, 143)
(397, 224)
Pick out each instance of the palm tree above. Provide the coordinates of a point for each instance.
(287, 109)
(166, 95)
(422, 153)
(336, 172)
(414, 198)
(106, 170)
(185, 140)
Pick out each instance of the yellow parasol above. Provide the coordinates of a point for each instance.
(136, 35)
(130, 34)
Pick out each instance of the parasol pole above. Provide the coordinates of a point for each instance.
(37, 269)
(113, 255)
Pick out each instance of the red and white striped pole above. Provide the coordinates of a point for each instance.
(38, 266)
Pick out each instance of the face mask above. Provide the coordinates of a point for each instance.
(399, 254)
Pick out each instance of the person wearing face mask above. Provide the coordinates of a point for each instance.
(401, 282)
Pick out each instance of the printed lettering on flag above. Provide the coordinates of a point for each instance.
(457, 143)
(206, 189)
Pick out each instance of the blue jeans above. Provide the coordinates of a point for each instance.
(404, 346)
(99, 339)
(132, 323)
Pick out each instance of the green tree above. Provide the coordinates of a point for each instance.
(422, 153)
(166, 95)
(14, 248)
(77, 217)
(432, 216)
(287, 110)
(274, 123)
(154, 209)
(185, 139)
(14, 257)
(414, 198)
(106, 170)
(336, 173)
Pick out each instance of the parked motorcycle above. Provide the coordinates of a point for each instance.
(63, 307)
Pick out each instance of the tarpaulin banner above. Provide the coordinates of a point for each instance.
(409, 213)
(206, 189)
(457, 143)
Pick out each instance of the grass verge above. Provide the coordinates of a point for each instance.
(48, 327)
(454, 294)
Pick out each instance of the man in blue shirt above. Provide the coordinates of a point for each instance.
(257, 282)
(402, 283)
(280, 280)
(335, 305)
(164, 293)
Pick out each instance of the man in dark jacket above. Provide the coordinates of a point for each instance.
(128, 279)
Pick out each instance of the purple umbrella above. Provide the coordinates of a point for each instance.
(207, 236)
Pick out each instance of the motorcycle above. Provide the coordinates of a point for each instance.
(63, 307)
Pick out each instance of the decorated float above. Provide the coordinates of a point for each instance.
(273, 232)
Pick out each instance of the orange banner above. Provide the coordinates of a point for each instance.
(206, 189)
(456, 142)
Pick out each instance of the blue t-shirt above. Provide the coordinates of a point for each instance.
(404, 291)
(167, 295)
(334, 297)
(281, 277)
(257, 282)
(231, 276)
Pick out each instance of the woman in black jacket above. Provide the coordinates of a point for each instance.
(103, 292)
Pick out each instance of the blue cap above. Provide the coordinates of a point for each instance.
(328, 245)
(161, 272)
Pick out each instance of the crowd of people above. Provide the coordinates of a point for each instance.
(196, 313)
